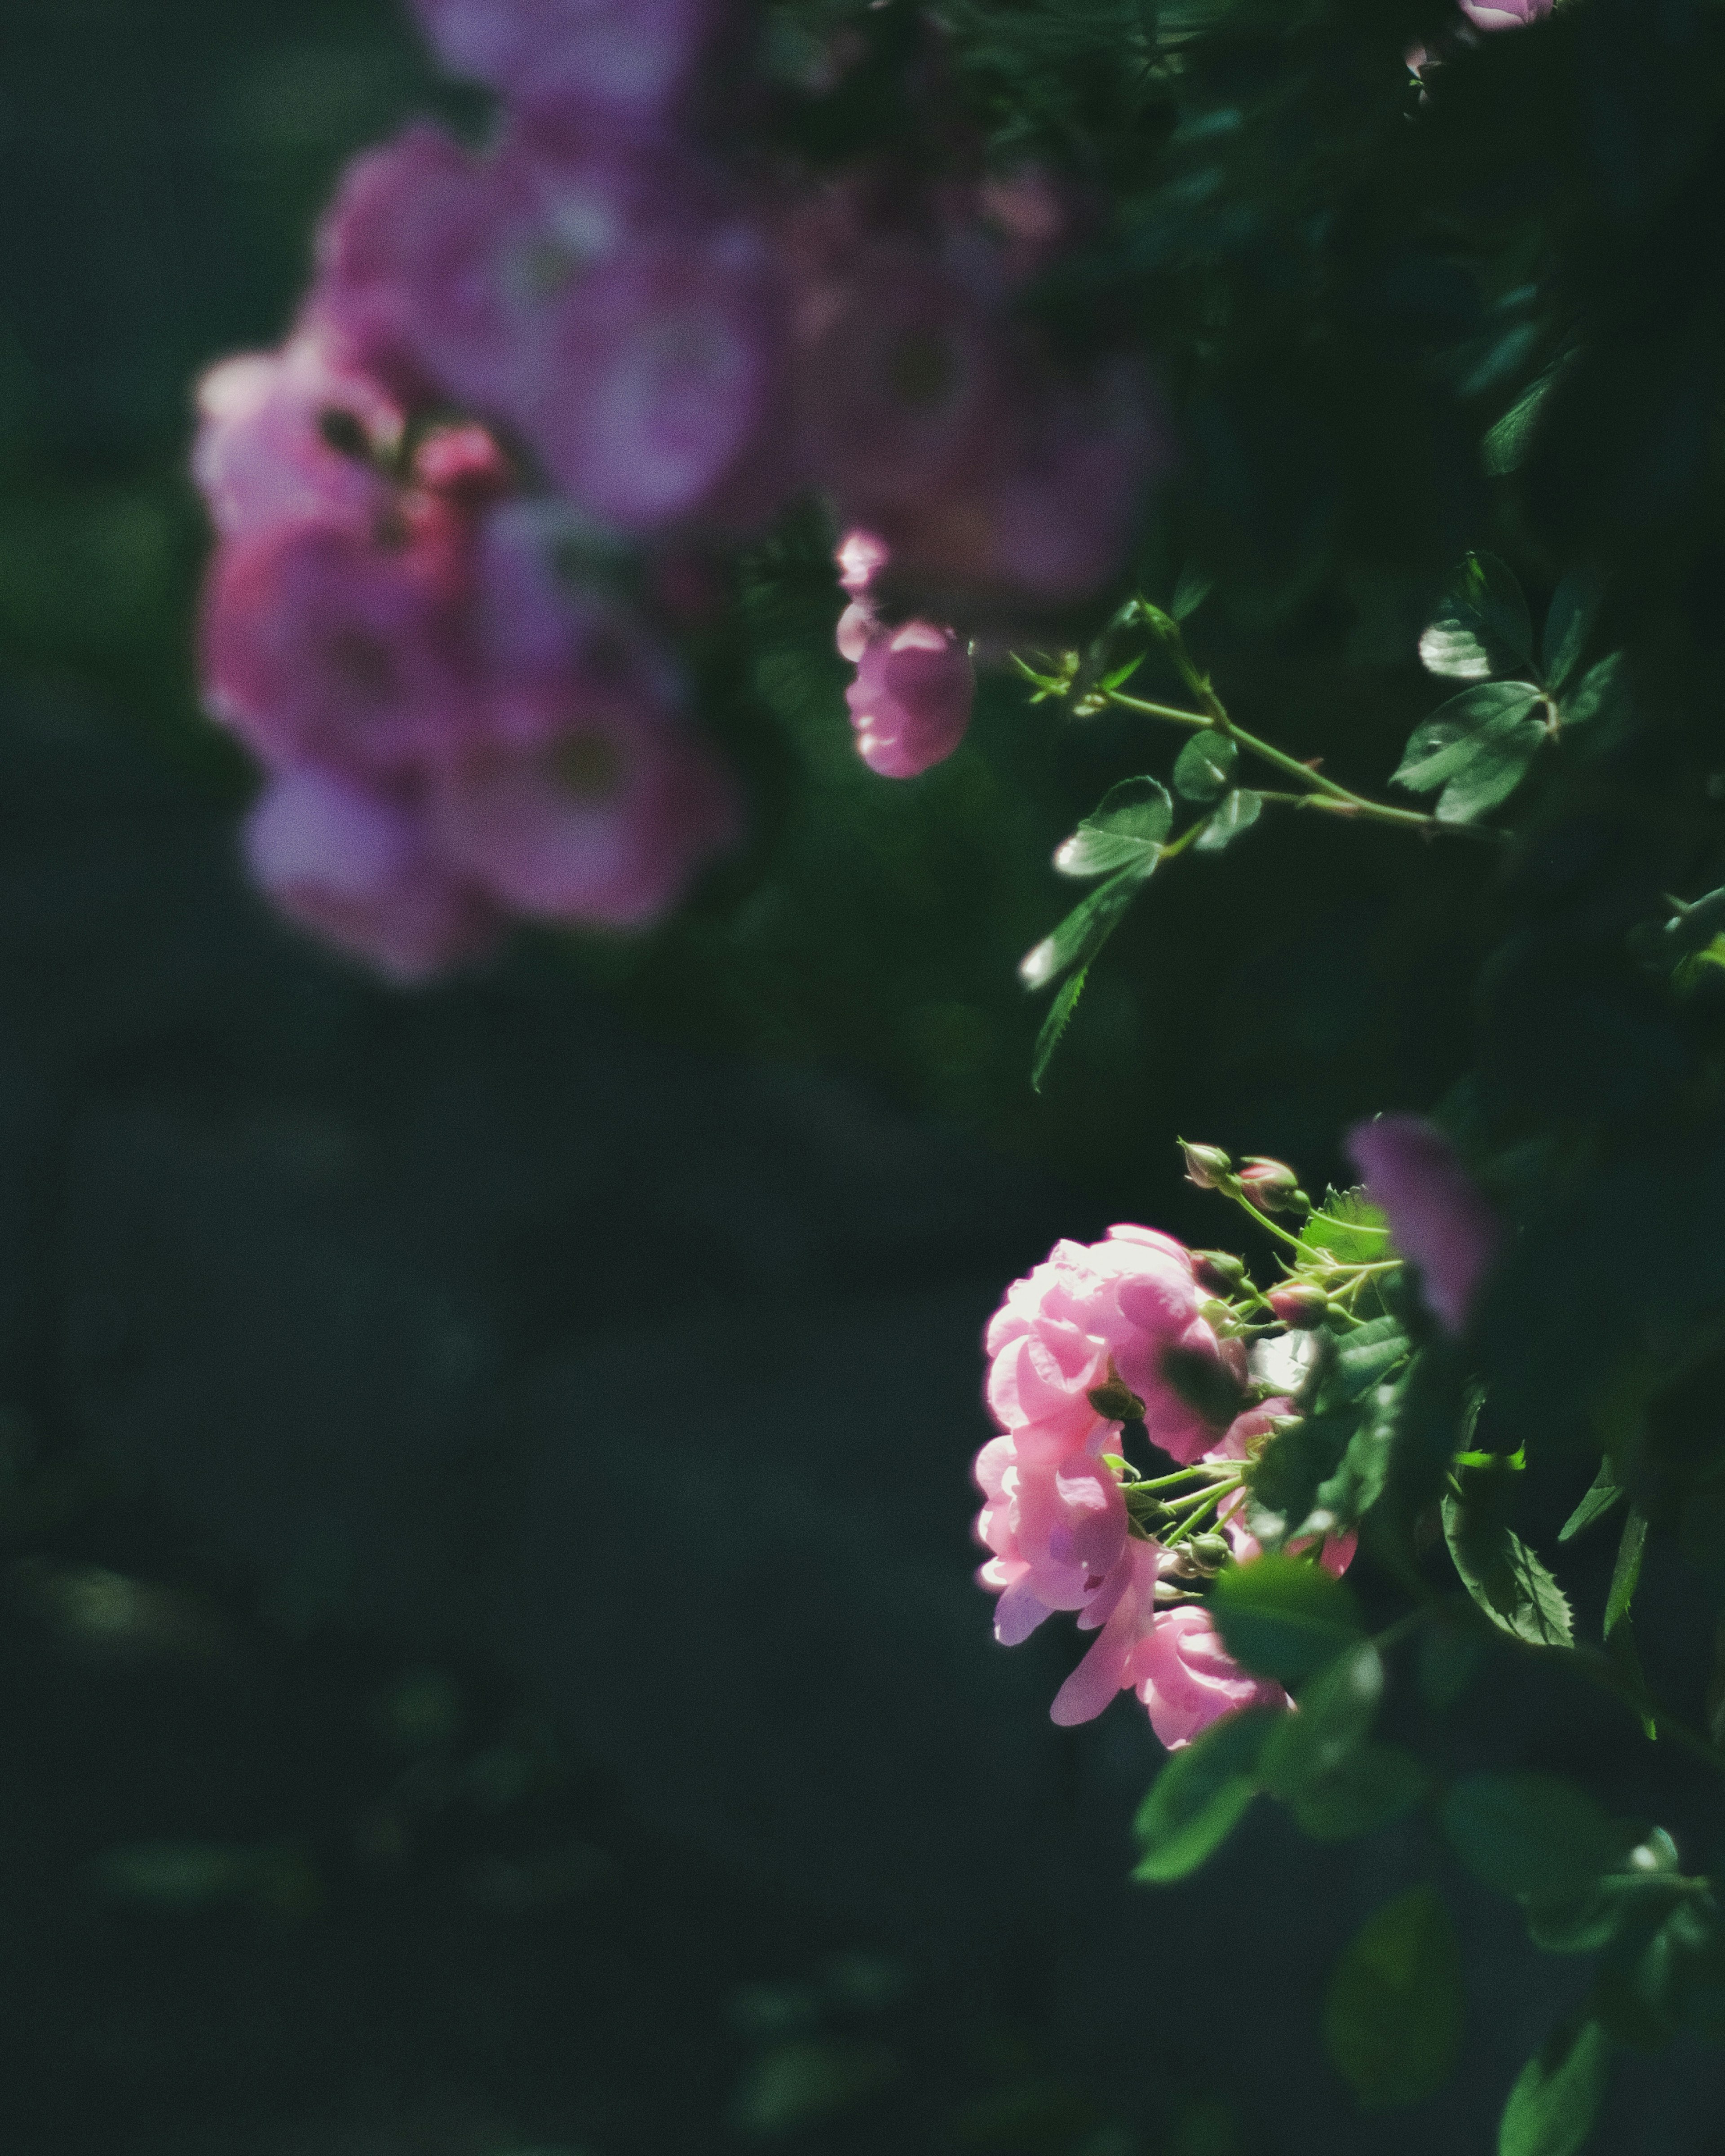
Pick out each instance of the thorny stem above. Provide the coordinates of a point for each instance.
(1320, 793)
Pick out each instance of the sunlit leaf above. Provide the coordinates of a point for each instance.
(1083, 932)
(1126, 831)
(1395, 2008)
(1236, 815)
(1347, 1228)
(1483, 627)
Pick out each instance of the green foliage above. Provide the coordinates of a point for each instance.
(1205, 766)
(1199, 1798)
(1504, 1577)
(1552, 2108)
(1602, 1495)
(1126, 832)
(1484, 627)
(1230, 819)
(1347, 1228)
(1395, 2008)
(1284, 1616)
(1536, 1837)
(1477, 748)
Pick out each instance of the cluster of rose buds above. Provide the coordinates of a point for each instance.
(613, 334)
(1082, 1346)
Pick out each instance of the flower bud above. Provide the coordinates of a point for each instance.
(1218, 1270)
(1273, 1185)
(1299, 1305)
(1115, 1402)
(1209, 1552)
(1207, 1166)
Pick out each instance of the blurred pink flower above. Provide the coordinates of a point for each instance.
(294, 434)
(1438, 1217)
(911, 698)
(625, 61)
(606, 824)
(353, 865)
(322, 642)
(625, 313)
(1091, 1310)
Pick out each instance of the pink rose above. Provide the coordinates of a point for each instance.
(1438, 1217)
(1187, 1679)
(1127, 1301)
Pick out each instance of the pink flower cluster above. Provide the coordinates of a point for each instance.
(453, 737)
(594, 330)
(1078, 1347)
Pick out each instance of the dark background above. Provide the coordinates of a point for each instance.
(488, 1657)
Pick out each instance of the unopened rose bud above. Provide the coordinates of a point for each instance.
(1207, 1166)
(1115, 1402)
(1219, 1271)
(1273, 1185)
(1209, 1552)
(1300, 1306)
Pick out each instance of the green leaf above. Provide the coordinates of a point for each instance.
(1054, 1025)
(1593, 691)
(1504, 1577)
(1347, 1228)
(1395, 2007)
(1534, 1837)
(1194, 588)
(1236, 815)
(1552, 2106)
(1461, 732)
(1127, 830)
(1598, 1501)
(1363, 1358)
(1569, 624)
(1379, 1783)
(1200, 1796)
(1083, 932)
(1483, 627)
(1337, 1707)
(1508, 445)
(1620, 1646)
(1501, 765)
(1204, 768)
(1284, 1616)
(1626, 1572)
